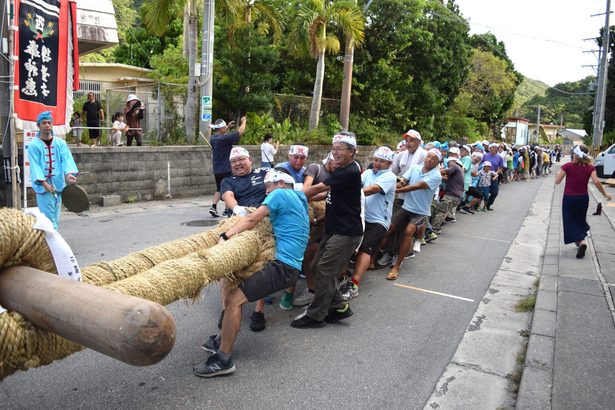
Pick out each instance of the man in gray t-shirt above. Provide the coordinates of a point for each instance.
(453, 191)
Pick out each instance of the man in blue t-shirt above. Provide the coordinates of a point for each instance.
(422, 182)
(221, 144)
(288, 212)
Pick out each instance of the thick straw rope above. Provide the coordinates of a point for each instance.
(165, 273)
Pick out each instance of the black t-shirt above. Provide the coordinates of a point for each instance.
(221, 146)
(91, 111)
(343, 215)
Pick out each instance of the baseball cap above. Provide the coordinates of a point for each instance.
(486, 164)
(413, 134)
(453, 150)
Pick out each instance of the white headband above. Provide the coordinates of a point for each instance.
(579, 153)
(384, 153)
(239, 152)
(437, 152)
(298, 150)
(348, 139)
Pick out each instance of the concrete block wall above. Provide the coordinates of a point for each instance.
(141, 173)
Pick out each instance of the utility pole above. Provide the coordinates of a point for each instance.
(207, 69)
(600, 101)
(538, 126)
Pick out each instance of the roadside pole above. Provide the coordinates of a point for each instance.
(207, 62)
(16, 191)
(598, 120)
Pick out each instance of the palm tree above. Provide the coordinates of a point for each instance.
(310, 31)
(157, 14)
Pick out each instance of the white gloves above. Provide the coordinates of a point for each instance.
(240, 211)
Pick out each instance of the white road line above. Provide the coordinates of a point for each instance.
(432, 292)
(478, 237)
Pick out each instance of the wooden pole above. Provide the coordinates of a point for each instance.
(127, 328)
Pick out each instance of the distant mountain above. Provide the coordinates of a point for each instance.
(526, 91)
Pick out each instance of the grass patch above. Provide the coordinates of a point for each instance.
(526, 304)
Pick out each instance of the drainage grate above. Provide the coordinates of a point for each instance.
(201, 222)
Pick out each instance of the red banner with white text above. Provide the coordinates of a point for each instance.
(46, 71)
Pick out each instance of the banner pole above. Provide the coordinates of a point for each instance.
(14, 153)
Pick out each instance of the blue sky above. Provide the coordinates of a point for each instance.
(544, 38)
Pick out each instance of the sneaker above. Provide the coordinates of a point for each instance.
(386, 260)
(416, 248)
(214, 366)
(410, 255)
(343, 292)
(220, 320)
(306, 322)
(286, 303)
(489, 209)
(211, 345)
(268, 300)
(431, 236)
(335, 315)
(466, 210)
(303, 299)
(353, 290)
(437, 231)
(213, 211)
(423, 241)
(257, 322)
(451, 220)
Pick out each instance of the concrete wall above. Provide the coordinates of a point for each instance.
(140, 173)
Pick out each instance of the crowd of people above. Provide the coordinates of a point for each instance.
(377, 216)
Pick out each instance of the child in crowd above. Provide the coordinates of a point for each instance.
(485, 176)
(118, 127)
(77, 130)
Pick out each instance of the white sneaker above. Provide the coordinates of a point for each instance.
(305, 298)
(416, 248)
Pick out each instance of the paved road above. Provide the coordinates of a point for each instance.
(390, 354)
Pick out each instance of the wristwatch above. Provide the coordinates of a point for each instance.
(223, 236)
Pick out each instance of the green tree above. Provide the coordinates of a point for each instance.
(313, 30)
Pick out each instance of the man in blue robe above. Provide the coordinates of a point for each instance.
(51, 167)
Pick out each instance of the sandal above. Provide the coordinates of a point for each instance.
(393, 274)
(581, 251)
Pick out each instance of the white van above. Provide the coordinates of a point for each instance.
(605, 163)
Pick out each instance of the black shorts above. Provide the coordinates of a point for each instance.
(274, 276)
(402, 218)
(92, 132)
(474, 192)
(372, 237)
(219, 178)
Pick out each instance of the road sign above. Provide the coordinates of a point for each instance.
(206, 101)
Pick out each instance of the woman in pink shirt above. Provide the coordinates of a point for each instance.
(576, 200)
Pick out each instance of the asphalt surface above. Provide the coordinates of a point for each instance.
(390, 354)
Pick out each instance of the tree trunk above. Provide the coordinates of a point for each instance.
(317, 95)
(347, 84)
(192, 96)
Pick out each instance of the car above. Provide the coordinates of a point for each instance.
(605, 163)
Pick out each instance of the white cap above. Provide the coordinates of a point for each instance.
(348, 139)
(384, 153)
(494, 144)
(401, 144)
(453, 150)
(131, 97)
(477, 154)
(239, 152)
(467, 148)
(486, 164)
(413, 134)
(298, 150)
(274, 176)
